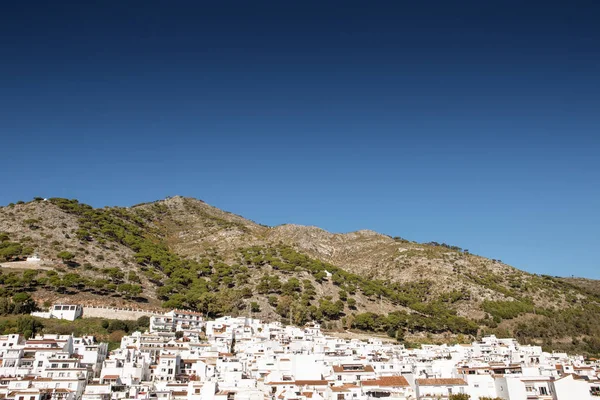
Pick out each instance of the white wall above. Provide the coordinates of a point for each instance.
(481, 386)
(114, 313)
(510, 388)
(568, 388)
(306, 368)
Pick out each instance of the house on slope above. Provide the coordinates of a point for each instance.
(440, 388)
(396, 387)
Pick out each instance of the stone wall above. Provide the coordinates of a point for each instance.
(41, 314)
(115, 313)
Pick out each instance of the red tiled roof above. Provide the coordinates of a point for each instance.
(389, 381)
(350, 386)
(312, 382)
(338, 389)
(40, 341)
(365, 368)
(441, 382)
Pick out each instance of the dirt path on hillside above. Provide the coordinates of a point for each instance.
(24, 265)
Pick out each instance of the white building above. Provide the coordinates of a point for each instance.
(70, 312)
(246, 359)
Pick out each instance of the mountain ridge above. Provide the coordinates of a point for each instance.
(183, 252)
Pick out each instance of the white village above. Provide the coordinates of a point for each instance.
(185, 357)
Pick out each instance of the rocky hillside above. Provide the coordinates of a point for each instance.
(182, 252)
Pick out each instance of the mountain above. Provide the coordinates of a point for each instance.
(181, 252)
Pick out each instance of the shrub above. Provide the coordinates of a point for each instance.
(65, 256)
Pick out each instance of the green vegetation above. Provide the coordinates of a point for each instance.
(278, 279)
(447, 246)
(67, 283)
(11, 251)
(104, 330)
(507, 309)
(459, 396)
(20, 303)
(65, 256)
(32, 223)
(398, 322)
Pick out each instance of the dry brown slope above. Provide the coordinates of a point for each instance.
(194, 228)
(49, 230)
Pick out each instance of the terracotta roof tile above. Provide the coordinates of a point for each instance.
(350, 386)
(389, 381)
(365, 368)
(338, 389)
(441, 382)
(312, 382)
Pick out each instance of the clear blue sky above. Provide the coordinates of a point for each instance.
(472, 123)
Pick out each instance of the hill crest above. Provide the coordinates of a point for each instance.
(179, 251)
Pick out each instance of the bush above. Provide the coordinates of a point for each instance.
(65, 256)
(143, 321)
(117, 325)
(506, 309)
(29, 326)
(116, 336)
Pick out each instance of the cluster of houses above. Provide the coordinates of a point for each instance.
(184, 357)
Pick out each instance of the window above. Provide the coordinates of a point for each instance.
(543, 390)
(40, 363)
